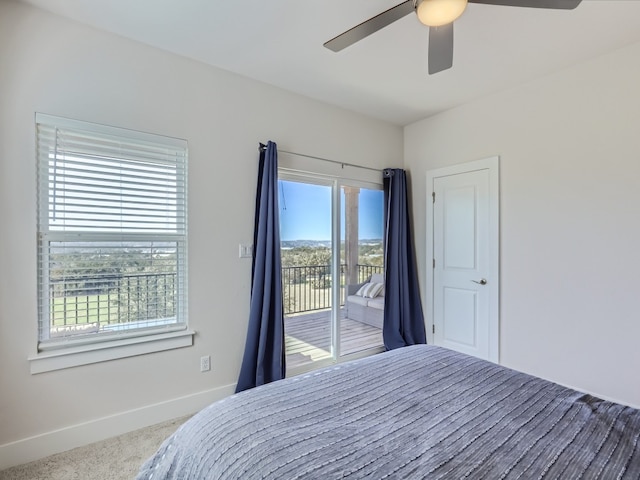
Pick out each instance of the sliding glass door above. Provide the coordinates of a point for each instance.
(362, 261)
(331, 240)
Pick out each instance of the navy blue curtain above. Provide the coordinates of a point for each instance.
(264, 359)
(403, 316)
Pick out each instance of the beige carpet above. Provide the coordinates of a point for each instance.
(117, 458)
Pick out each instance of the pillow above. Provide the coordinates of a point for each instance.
(370, 290)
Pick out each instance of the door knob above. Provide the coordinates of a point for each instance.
(483, 281)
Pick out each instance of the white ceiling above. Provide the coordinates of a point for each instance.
(385, 75)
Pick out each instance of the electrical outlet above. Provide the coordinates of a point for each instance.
(205, 363)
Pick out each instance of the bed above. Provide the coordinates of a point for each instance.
(415, 412)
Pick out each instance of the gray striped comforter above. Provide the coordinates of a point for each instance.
(415, 412)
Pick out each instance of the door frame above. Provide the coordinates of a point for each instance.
(493, 165)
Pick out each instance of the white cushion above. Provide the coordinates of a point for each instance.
(377, 303)
(359, 300)
(370, 290)
(377, 278)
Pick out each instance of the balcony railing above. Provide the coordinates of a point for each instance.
(365, 271)
(148, 296)
(308, 288)
(112, 300)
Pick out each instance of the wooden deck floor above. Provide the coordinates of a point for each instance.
(308, 337)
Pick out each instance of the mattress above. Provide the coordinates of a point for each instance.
(415, 412)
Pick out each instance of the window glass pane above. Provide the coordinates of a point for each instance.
(362, 259)
(305, 234)
(110, 286)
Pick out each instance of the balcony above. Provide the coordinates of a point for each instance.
(307, 302)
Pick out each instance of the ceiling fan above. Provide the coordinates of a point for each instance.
(439, 16)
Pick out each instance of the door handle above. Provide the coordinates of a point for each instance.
(483, 281)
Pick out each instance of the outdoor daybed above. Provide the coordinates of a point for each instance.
(364, 304)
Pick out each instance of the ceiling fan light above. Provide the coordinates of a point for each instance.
(436, 13)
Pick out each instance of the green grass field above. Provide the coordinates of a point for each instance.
(84, 309)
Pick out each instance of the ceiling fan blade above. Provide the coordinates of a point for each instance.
(556, 4)
(372, 25)
(440, 48)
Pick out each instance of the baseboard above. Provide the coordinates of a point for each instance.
(40, 446)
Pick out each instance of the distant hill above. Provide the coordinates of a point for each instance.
(290, 244)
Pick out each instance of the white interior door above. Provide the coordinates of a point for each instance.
(464, 257)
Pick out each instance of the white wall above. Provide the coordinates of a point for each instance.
(51, 65)
(569, 146)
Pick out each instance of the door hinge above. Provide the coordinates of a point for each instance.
(433, 328)
(433, 195)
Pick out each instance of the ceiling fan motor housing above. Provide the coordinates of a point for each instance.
(436, 13)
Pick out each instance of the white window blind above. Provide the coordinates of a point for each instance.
(112, 225)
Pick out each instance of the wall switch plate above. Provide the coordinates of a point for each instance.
(246, 250)
(205, 363)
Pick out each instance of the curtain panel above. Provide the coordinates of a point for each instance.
(264, 355)
(403, 316)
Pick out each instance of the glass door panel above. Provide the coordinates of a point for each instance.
(362, 261)
(306, 250)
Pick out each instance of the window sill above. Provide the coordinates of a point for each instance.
(112, 350)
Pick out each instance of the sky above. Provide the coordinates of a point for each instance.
(305, 212)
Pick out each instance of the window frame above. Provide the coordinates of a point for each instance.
(77, 350)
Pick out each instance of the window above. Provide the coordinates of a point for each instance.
(331, 241)
(112, 234)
